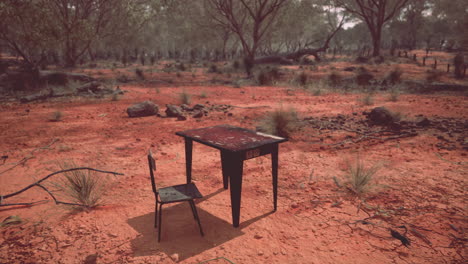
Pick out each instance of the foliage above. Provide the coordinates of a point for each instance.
(433, 75)
(302, 79)
(82, 187)
(139, 73)
(280, 122)
(335, 79)
(394, 76)
(185, 98)
(360, 176)
(56, 116)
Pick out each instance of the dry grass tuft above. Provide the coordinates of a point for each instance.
(82, 186)
(185, 98)
(360, 175)
(280, 122)
(56, 116)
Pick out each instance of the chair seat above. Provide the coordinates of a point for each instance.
(179, 193)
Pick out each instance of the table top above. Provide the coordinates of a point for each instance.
(231, 138)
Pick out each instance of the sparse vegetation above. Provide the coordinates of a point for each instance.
(394, 94)
(394, 77)
(56, 116)
(360, 176)
(268, 76)
(335, 79)
(203, 94)
(302, 79)
(433, 75)
(185, 98)
(280, 122)
(139, 73)
(368, 99)
(82, 187)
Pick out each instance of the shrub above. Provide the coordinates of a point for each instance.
(334, 79)
(203, 94)
(433, 75)
(360, 176)
(364, 77)
(236, 65)
(57, 78)
(248, 66)
(115, 97)
(459, 62)
(185, 98)
(280, 122)
(213, 69)
(394, 76)
(181, 67)
(82, 187)
(317, 92)
(368, 99)
(394, 94)
(56, 116)
(302, 79)
(139, 73)
(268, 76)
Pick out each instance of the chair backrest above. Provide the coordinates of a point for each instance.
(152, 168)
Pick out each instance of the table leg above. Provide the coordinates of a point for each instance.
(188, 159)
(274, 172)
(235, 166)
(225, 169)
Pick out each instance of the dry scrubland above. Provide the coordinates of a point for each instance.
(352, 188)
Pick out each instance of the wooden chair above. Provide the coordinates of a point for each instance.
(173, 194)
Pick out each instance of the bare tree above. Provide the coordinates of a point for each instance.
(375, 13)
(250, 20)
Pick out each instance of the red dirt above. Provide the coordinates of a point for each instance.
(419, 186)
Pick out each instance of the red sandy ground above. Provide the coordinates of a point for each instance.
(316, 221)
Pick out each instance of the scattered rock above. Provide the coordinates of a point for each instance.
(258, 236)
(198, 114)
(294, 205)
(198, 107)
(146, 108)
(175, 257)
(423, 122)
(349, 69)
(173, 111)
(91, 259)
(186, 107)
(181, 118)
(381, 116)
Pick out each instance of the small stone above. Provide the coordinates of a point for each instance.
(257, 236)
(175, 257)
(181, 118)
(198, 114)
(260, 253)
(294, 205)
(229, 114)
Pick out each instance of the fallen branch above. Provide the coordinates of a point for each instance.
(30, 156)
(38, 184)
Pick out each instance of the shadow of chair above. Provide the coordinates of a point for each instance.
(188, 243)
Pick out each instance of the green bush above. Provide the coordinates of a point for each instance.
(280, 122)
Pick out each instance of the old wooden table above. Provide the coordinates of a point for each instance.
(236, 145)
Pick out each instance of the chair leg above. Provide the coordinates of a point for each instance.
(160, 222)
(197, 217)
(193, 209)
(156, 214)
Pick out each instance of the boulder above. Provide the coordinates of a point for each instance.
(146, 108)
(173, 111)
(381, 116)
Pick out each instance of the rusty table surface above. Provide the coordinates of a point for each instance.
(230, 138)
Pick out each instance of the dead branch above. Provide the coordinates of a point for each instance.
(29, 156)
(38, 184)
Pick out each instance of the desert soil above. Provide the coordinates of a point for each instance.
(419, 191)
